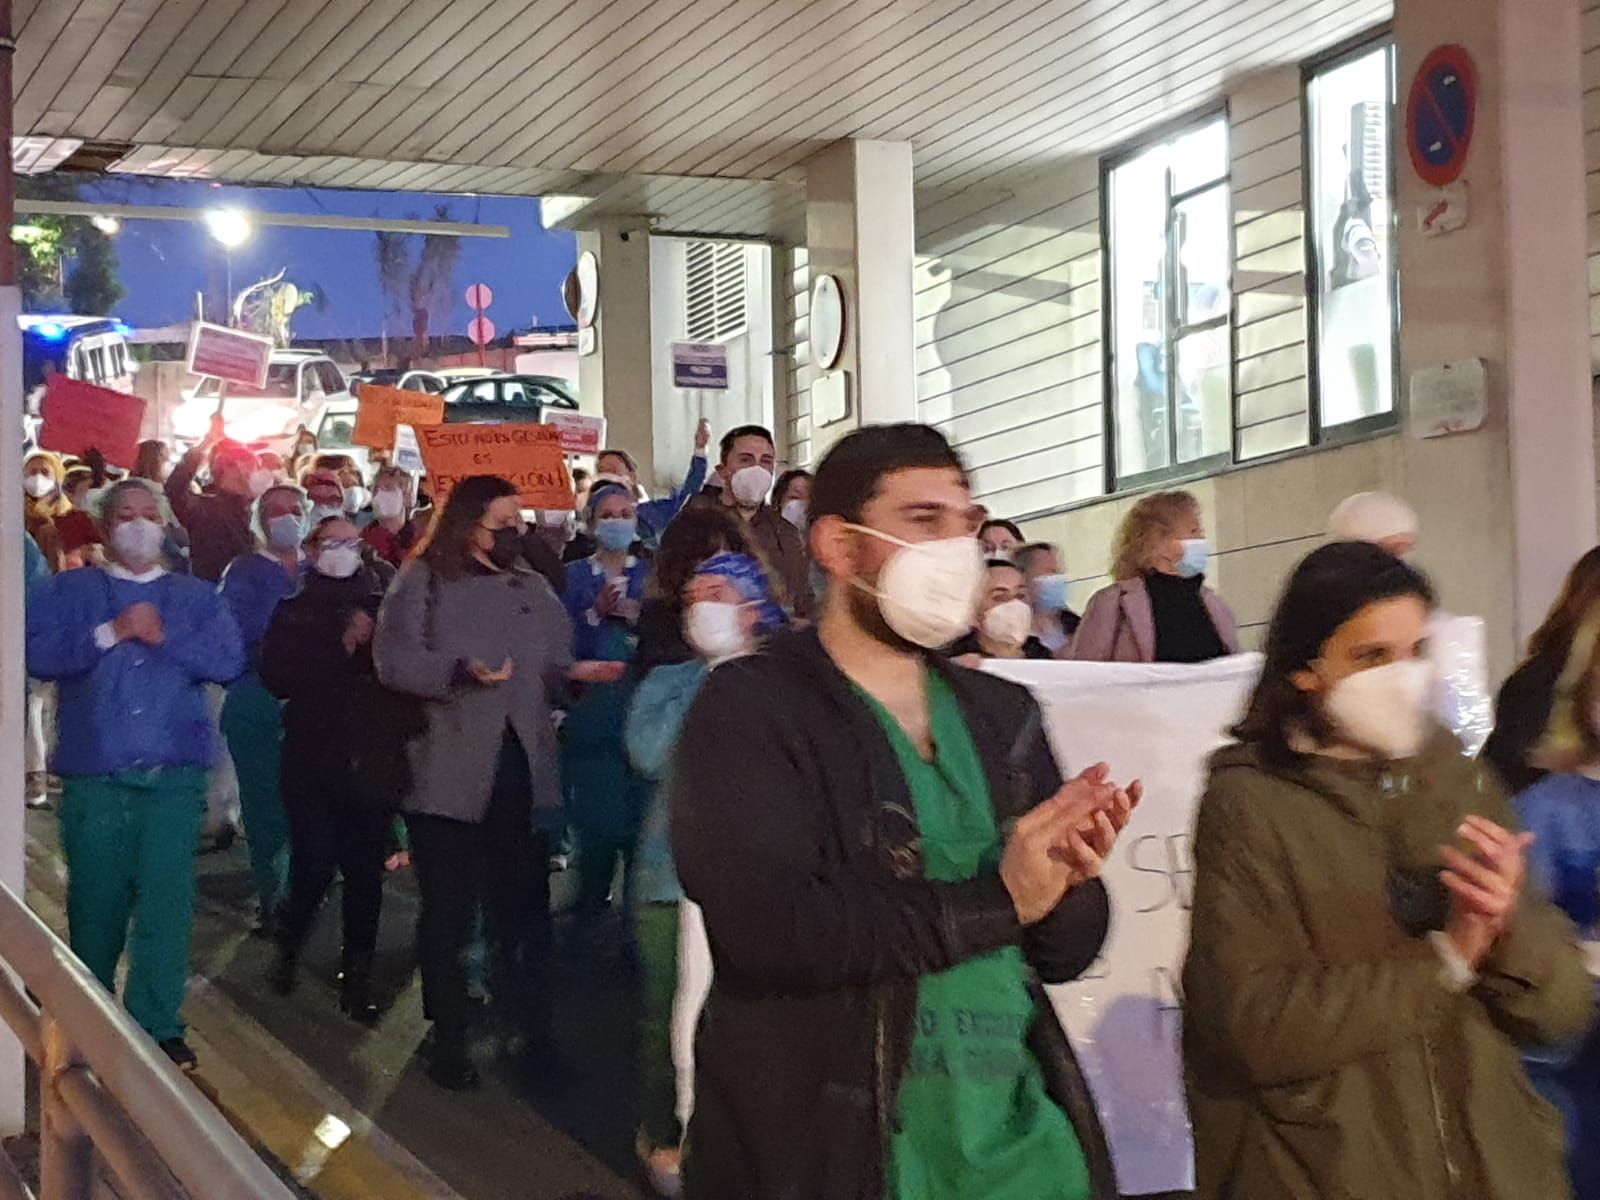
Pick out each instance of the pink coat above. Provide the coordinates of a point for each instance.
(1120, 626)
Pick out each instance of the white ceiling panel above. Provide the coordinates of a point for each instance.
(699, 112)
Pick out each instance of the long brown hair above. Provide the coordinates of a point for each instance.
(447, 546)
(1570, 740)
(1579, 595)
(1147, 525)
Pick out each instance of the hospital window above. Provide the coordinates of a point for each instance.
(1351, 237)
(1169, 297)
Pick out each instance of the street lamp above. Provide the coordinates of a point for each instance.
(230, 228)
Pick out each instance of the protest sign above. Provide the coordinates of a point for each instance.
(1158, 723)
(580, 433)
(379, 409)
(528, 455)
(231, 355)
(79, 417)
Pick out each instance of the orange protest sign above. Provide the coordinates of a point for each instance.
(379, 409)
(79, 417)
(528, 455)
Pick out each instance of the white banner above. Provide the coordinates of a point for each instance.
(1158, 724)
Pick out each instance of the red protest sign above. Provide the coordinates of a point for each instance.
(527, 455)
(230, 355)
(79, 417)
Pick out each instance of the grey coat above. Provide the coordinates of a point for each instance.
(428, 632)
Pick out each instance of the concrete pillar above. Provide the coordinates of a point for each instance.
(615, 381)
(1510, 288)
(861, 228)
(13, 684)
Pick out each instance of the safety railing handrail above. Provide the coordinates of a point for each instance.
(112, 1082)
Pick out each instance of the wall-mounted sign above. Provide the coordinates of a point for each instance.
(1444, 211)
(827, 323)
(830, 398)
(1453, 398)
(1440, 114)
(587, 277)
(701, 365)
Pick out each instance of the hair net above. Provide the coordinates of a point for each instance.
(749, 579)
(1372, 517)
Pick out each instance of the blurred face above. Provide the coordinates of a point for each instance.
(335, 533)
(615, 465)
(999, 542)
(132, 504)
(79, 495)
(1042, 562)
(1004, 584)
(279, 504)
(231, 472)
(325, 489)
(752, 450)
(718, 589)
(912, 506)
(799, 489)
(1186, 528)
(1384, 632)
(504, 513)
(615, 506)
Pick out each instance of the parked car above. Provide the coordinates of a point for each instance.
(300, 387)
(411, 381)
(502, 398)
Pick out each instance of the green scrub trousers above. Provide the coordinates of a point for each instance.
(130, 841)
(252, 721)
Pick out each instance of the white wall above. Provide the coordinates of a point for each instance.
(749, 399)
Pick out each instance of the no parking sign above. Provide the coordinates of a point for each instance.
(1440, 114)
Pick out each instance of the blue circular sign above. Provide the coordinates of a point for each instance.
(1440, 114)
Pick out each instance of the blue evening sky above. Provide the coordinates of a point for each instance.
(164, 263)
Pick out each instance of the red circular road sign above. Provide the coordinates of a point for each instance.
(1440, 114)
(480, 330)
(479, 296)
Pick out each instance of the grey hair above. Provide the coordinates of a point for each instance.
(108, 498)
(255, 509)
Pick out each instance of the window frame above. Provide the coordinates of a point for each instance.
(1114, 483)
(1379, 423)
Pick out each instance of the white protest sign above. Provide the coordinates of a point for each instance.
(1157, 723)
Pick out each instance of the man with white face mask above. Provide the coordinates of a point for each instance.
(132, 649)
(749, 458)
(887, 858)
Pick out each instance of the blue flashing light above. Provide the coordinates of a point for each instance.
(123, 328)
(51, 331)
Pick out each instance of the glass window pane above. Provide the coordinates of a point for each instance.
(1200, 156)
(1200, 233)
(1204, 393)
(1138, 251)
(1352, 212)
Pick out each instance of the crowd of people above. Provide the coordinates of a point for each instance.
(748, 711)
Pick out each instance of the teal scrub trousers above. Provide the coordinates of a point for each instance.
(252, 721)
(130, 841)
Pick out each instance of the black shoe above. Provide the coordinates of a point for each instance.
(179, 1052)
(355, 998)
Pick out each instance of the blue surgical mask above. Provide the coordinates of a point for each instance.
(1196, 554)
(616, 534)
(1050, 593)
(285, 532)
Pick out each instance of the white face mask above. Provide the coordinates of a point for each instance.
(794, 512)
(138, 542)
(355, 499)
(751, 485)
(260, 480)
(1383, 709)
(1009, 623)
(339, 562)
(38, 486)
(715, 630)
(928, 591)
(388, 504)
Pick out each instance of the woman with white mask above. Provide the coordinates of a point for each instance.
(132, 649)
(1364, 962)
(1004, 627)
(728, 611)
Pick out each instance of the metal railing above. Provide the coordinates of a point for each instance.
(109, 1099)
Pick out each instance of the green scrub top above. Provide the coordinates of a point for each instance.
(975, 1121)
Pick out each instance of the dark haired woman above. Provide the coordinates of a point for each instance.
(1364, 964)
(486, 646)
(1522, 709)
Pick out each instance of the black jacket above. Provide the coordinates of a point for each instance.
(344, 734)
(793, 829)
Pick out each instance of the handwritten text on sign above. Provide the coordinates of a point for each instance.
(380, 409)
(527, 455)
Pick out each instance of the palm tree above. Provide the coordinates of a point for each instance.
(422, 287)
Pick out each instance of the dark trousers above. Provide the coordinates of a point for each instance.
(503, 865)
(331, 834)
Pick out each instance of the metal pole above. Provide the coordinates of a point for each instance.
(66, 1155)
(13, 685)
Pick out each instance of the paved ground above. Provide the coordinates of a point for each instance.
(279, 1067)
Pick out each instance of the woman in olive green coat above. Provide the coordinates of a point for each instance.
(1364, 964)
